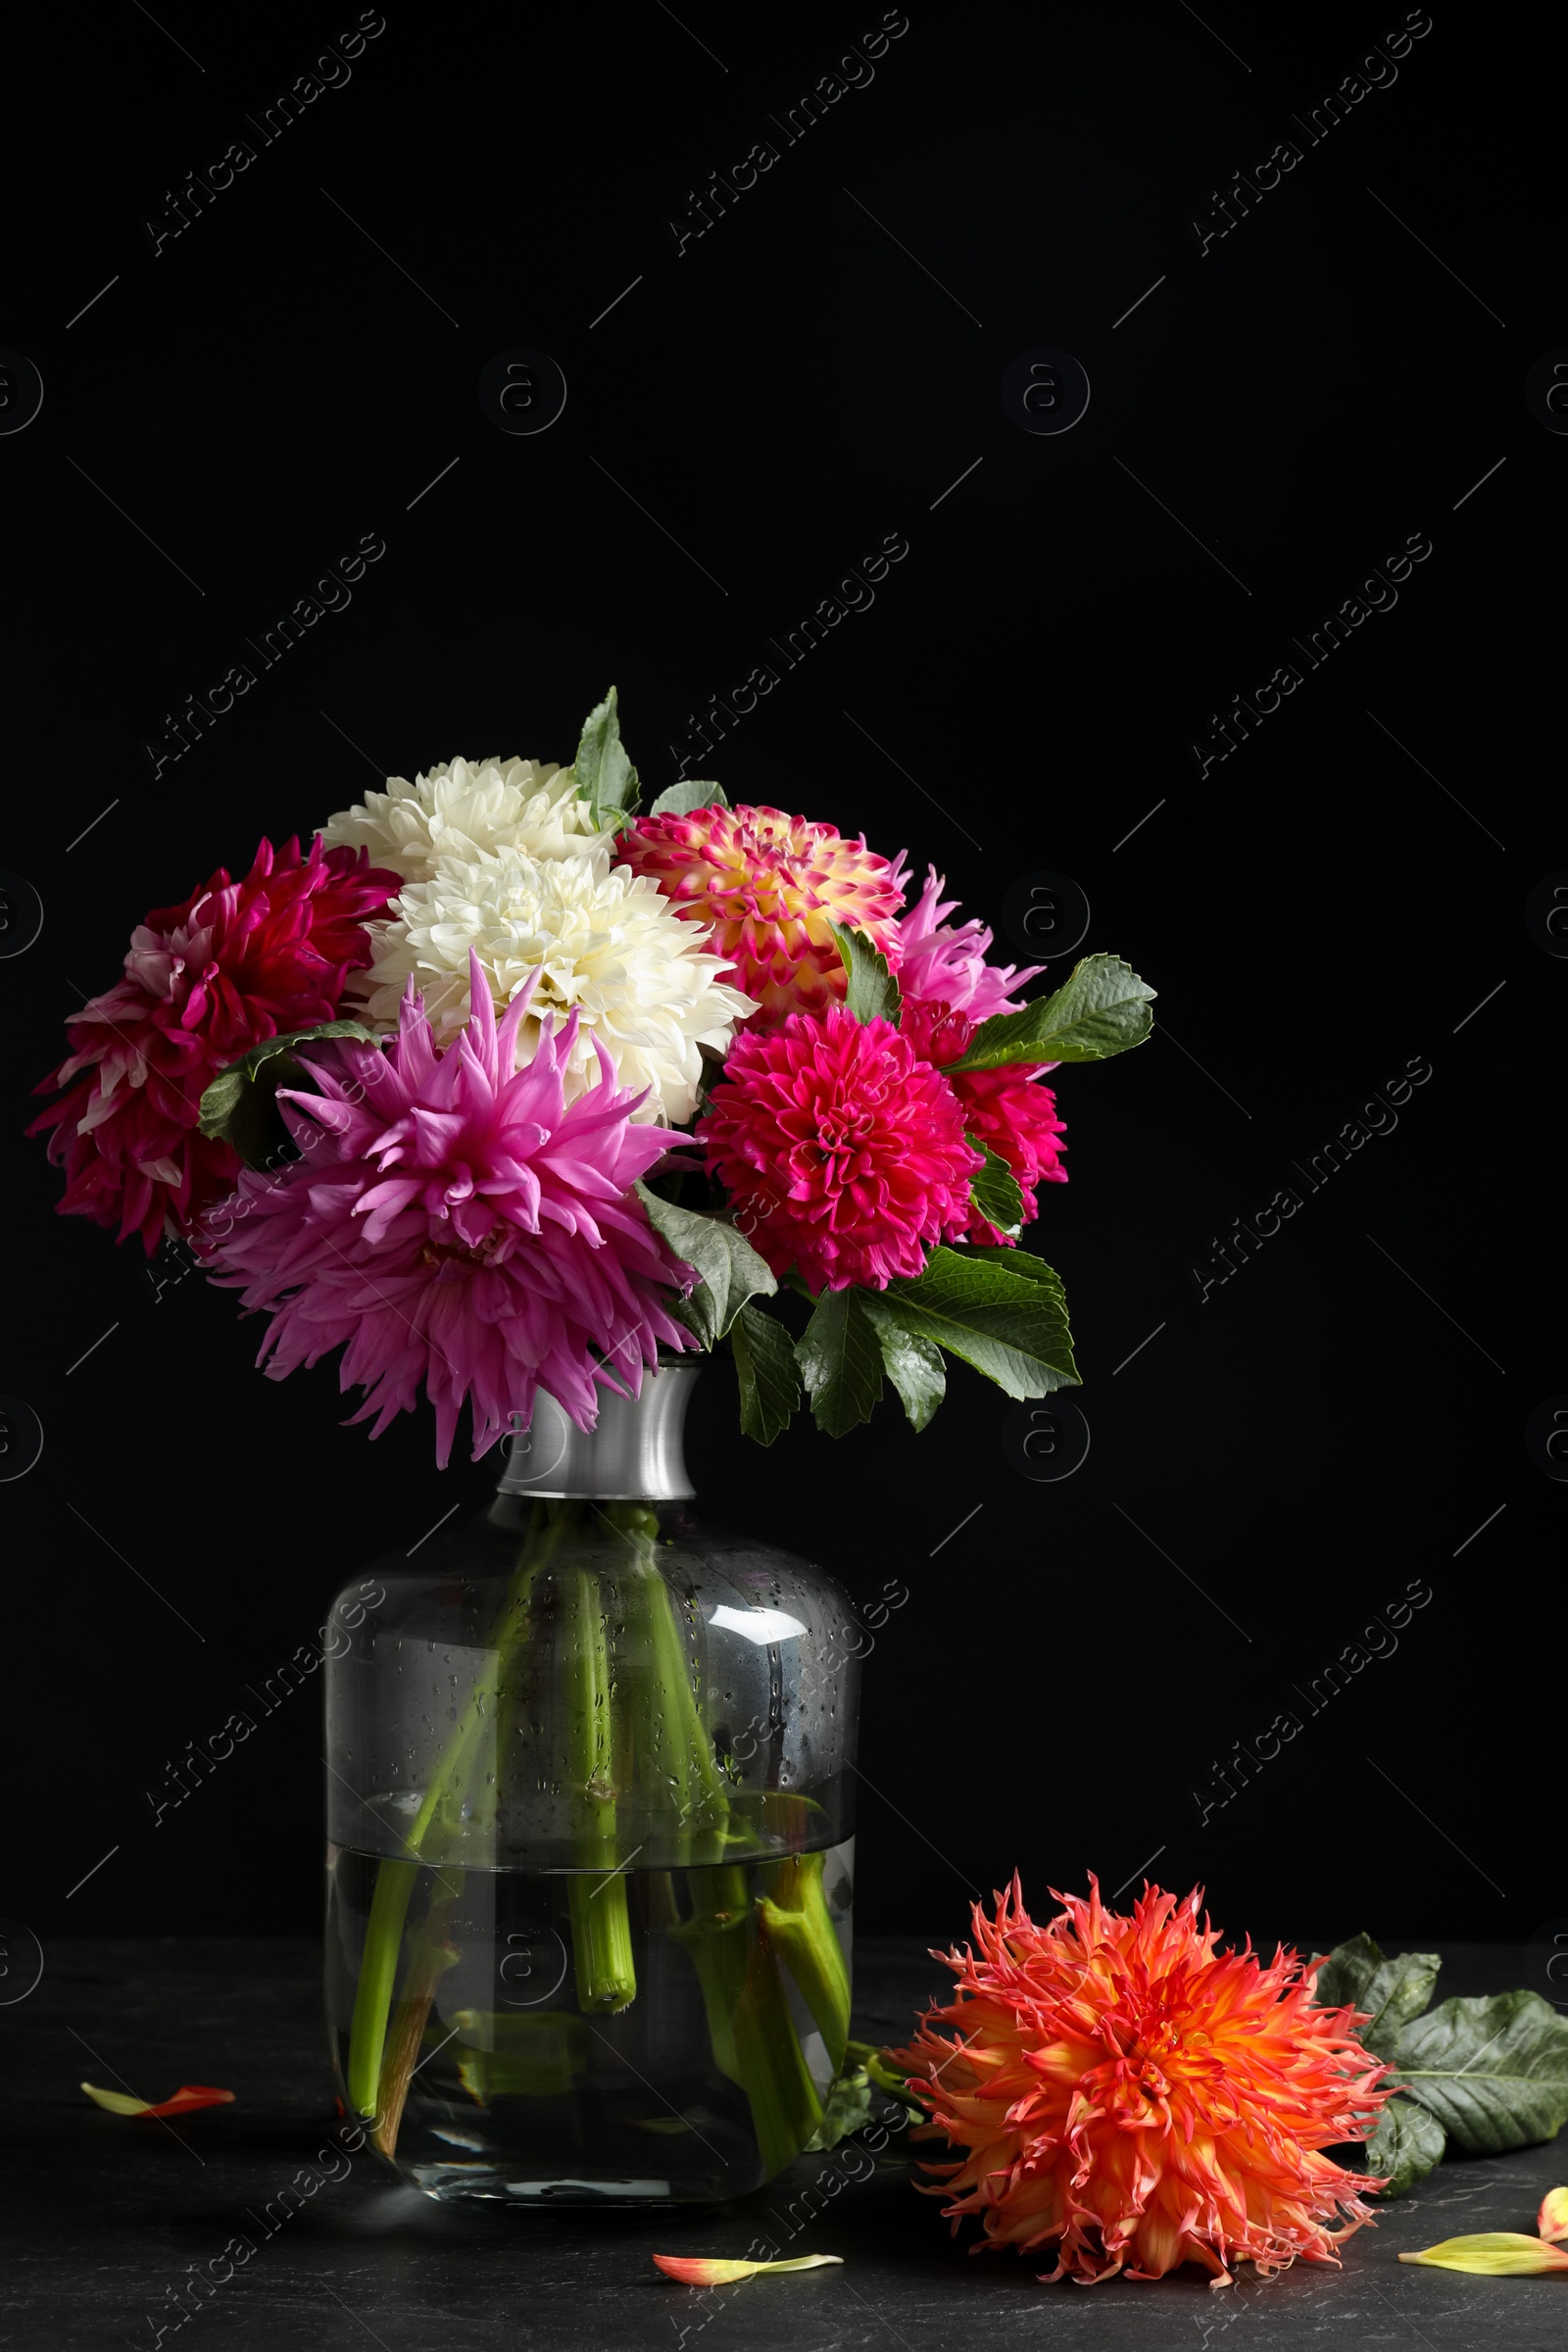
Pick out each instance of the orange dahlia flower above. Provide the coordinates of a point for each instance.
(1124, 2091)
(772, 887)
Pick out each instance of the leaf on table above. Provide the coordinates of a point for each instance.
(840, 1362)
(1406, 2144)
(1493, 2070)
(1493, 2254)
(769, 1377)
(189, 2096)
(1390, 1992)
(1100, 1009)
(1346, 1972)
(728, 1268)
(696, 2271)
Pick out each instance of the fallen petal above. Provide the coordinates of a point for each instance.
(1553, 2219)
(696, 2271)
(188, 2097)
(1494, 2254)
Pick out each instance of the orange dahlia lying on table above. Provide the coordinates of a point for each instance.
(1121, 2090)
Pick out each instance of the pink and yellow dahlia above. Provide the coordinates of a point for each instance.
(1124, 2091)
(771, 887)
(842, 1150)
(239, 962)
(454, 1221)
(1006, 1109)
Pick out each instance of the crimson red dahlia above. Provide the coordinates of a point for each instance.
(843, 1150)
(1006, 1109)
(239, 962)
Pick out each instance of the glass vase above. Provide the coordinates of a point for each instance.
(590, 1835)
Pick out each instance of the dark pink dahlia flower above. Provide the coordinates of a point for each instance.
(239, 962)
(842, 1150)
(1007, 1110)
(454, 1222)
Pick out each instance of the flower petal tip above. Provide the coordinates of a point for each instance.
(184, 2101)
(697, 2270)
(1493, 2254)
(1553, 2219)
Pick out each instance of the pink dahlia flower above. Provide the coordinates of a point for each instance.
(1007, 1110)
(949, 965)
(771, 887)
(239, 962)
(842, 1150)
(454, 1221)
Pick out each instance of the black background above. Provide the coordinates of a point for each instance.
(1286, 1455)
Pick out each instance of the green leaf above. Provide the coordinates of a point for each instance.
(1356, 1975)
(994, 1190)
(840, 1362)
(729, 1269)
(770, 1380)
(914, 1365)
(1493, 2070)
(1405, 2145)
(239, 1104)
(873, 993)
(1010, 1324)
(606, 778)
(1397, 1992)
(846, 2107)
(679, 799)
(1100, 1009)
(1346, 1972)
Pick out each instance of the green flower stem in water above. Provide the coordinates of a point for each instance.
(671, 1751)
(438, 1818)
(596, 1894)
(653, 1733)
(749, 2021)
(430, 1955)
(750, 2031)
(795, 1918)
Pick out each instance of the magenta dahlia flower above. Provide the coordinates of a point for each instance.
(454, 1221)
(1006, 1109)
(771, 887)
(841, 1148)
(948, 965)
(239, 962)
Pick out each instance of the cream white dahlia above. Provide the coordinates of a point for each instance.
(607, 943)
(468, 810)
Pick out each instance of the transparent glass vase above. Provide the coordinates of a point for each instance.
(590, 1835)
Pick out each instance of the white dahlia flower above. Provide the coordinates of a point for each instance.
(471, 810)
(602, 940)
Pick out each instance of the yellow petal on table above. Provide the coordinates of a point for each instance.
(1553, 2219)
(1494, 2254)
(696, 2271)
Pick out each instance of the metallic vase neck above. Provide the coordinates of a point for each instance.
(634, 1455)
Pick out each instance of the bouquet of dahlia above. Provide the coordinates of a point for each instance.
(503, 1085)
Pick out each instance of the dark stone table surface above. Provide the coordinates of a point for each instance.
(103, 2216)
